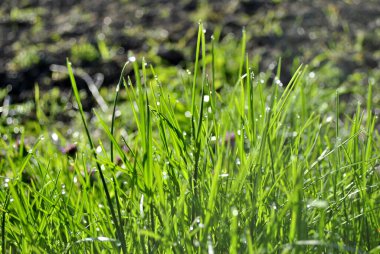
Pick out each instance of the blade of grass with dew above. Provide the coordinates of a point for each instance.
(119, 84)
(119, 231)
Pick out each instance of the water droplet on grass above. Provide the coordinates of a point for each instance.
(16, 130)
(322, 204)
(188, 114)
(142, 206)
(54, 137)
(278, 82)
(6, 182)
(206, 98)
(102, 238)
(329, 119)
(132, 59)
(234, 211)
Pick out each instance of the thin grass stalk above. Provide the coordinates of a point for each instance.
(251, 111)
(118, 208)
(3, 219)
(119, 234)
(114, 106)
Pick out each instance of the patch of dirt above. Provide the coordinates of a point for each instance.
(37, 35)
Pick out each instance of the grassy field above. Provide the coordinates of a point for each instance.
(220, 158)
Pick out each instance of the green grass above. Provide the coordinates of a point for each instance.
(248, 167)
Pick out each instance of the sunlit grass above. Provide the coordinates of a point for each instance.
(252, 166)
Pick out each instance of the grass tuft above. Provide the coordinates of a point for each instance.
(210, 161)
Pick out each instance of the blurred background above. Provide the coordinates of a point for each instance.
(36, 36)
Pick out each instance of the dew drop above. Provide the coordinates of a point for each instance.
(54, 137)
(279, 83)
(132, 59)
(102, 238)
(329, 119)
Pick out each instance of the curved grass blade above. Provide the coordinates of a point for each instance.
(119, 230)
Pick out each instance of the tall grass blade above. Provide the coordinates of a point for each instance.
(120, 235)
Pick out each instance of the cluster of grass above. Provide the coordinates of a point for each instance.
(249, 167)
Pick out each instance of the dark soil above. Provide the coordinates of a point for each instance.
(37, 35)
